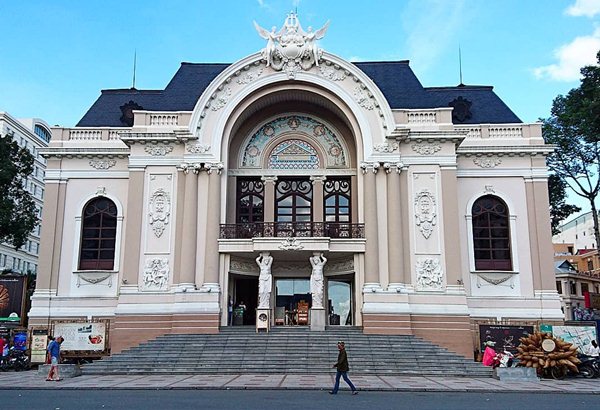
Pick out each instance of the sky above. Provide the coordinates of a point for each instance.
(56, 56)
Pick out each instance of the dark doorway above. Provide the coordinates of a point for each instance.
(246, 290)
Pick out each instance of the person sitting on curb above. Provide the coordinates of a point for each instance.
(54, 351)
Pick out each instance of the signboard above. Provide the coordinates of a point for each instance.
(39, 342)
(506, 337)
(81, 336)
(545, 328)
(12, 296)
(580, 336)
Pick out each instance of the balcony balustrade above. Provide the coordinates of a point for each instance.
(336, 230)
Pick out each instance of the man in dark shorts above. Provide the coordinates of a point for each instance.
(342, 369)
(54, 351)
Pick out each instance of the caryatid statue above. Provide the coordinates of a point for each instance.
(265, 280)
(317, 262)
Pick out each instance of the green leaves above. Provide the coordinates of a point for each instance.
(18, 213)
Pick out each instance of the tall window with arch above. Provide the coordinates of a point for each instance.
(491, 234)
(337, 207)
(98, 235)
(250, 200)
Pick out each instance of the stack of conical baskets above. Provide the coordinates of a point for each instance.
(547, 353)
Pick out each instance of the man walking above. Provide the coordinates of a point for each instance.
(342, 369)
(54, 351)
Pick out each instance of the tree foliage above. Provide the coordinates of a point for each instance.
(574, 127)
(559, 209)
(18, 213)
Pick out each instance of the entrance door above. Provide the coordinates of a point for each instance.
(292, 301)
(339, 302)
(245, 292)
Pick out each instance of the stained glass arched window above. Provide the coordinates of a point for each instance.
(98, 235)
(491, 234)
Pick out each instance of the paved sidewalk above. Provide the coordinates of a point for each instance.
(31, 380)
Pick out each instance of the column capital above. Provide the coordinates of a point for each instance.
(214, 166)
(390, 166)
(370, 166)
(269, 178)
(318, 179)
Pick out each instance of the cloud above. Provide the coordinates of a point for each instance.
(424, 44)
(587, 8)
(571, 57)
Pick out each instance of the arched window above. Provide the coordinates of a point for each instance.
(250, 194)
(491, 234)
(42, 132)
(99, 231)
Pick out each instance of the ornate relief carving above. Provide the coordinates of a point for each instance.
(249, 76)
(198, 148)
(291, 244)
(429, 274)
(93, 278)
(220, 100)
(340, 266)
(158, 150)
(424, 148)
(242, 266)
(156, 274)
(319, 133)
(333, 73)
(489, 189)
(386, 147)
(484, 162)
(102, 163)
(363, 98)
(291, 49)
(294, 154)
(496, 280)
(160, 210)
(425, 212)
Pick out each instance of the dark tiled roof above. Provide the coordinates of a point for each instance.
(396, 80)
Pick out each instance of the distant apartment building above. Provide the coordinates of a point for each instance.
(579, 232)
(32, 134)
(577, 273)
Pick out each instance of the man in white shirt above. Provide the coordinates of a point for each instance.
(594, 350)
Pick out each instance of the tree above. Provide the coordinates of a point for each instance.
(559, 210)
(18, 213)
(574, 128)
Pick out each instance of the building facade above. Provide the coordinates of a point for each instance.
(294, 179)
(579, 232)
(33, 134)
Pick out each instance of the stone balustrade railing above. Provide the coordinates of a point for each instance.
(501, 131)
(424, 118)
(161, 119)
(85, 134)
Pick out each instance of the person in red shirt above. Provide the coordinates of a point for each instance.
(2, 344)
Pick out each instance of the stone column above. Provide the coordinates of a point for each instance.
(211, 270)
(49, 246)
(395, 228)
(269, 198)
(371, 230)
(318, 207)
(189, 232)
(451, 220)
(133, 233)
(179, 222)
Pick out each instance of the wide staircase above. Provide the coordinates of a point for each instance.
(286, 350)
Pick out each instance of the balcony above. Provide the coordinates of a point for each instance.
(334, 230)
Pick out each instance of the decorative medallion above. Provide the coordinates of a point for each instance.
(462, 109)
(291, 49)
(332, 73)
(249, 76)
(425, 212)
(291, 244)
(429, 274)
(102, 164)
(156, 274)
(363, 98)
(158, 150)
(386, 147)
(198, 148)
(127, 112)
(221, 99)
(160, 210)
(424, 148)
(484, 162)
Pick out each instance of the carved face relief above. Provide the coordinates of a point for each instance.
(429, 274)
(156, 274)
(160, 210)
(425, 212)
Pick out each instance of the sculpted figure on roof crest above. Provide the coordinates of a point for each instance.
(291, 48)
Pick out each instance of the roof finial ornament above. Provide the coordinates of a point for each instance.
(291, 48)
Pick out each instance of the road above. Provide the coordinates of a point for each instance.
(288, 400)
